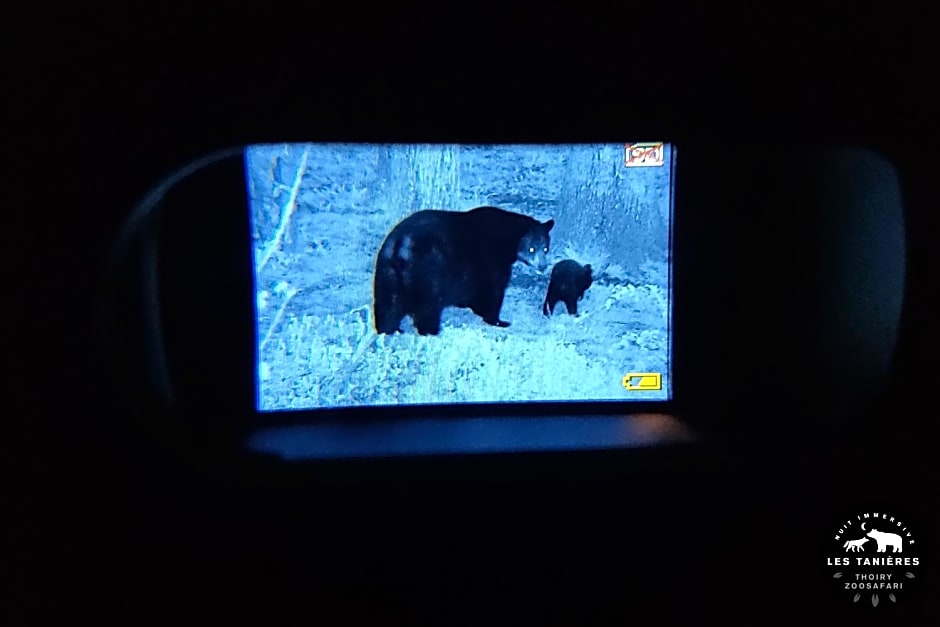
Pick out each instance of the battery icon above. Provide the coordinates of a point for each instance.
(643, 381)
(644, 154)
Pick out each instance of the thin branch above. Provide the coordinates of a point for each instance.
(291, 292)
(286, 212)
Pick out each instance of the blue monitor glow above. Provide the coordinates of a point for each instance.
(366, 298)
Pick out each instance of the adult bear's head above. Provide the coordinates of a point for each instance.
(534, 246)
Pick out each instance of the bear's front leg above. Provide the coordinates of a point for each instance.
(490, 304)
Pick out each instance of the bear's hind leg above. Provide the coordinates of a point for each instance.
(551, 303)
(387, 309)
(428, 320)
(572, 305)
(387, 318)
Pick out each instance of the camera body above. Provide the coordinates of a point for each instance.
(780, 271)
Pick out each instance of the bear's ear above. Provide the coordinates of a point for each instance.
(588, 268)
(548, 225)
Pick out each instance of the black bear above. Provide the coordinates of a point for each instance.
(568, 283)
(435, 259)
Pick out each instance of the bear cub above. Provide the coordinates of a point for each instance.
(568, 283)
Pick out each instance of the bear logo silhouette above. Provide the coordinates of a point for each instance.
(885, 540)
(855, 545)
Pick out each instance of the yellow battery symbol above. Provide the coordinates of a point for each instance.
(643, 381)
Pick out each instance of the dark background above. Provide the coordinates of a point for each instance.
(104, 521)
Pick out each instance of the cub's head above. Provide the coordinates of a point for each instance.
(588, 277)
(534, 246)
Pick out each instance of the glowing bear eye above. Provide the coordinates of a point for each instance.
(531, 250)
(546, 249)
